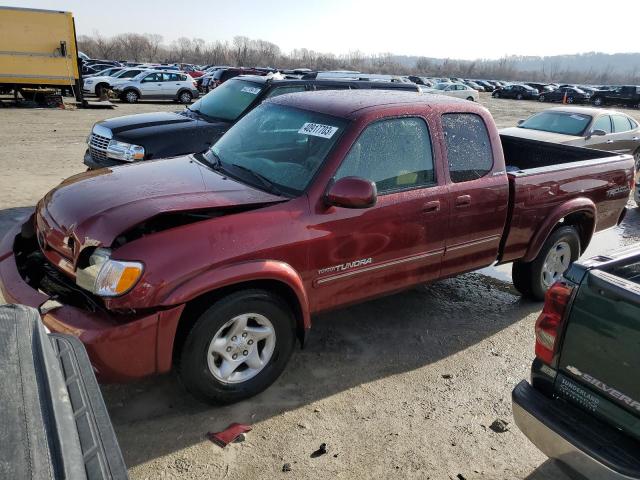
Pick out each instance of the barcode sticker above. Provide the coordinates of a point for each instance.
(251, 90)
(318, 130)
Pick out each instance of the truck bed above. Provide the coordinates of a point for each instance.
(543, 176)
(521, 154)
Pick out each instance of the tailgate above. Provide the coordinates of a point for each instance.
(600, 356)
(54, 421)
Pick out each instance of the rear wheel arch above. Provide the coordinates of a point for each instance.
(196, 306)
(584, 222)
(579, 213)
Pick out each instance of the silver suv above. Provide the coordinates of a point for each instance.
(158, 85)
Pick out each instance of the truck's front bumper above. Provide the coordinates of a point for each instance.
(121, 348)
(575, 438)
(94, 163)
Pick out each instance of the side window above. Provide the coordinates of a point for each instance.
(468, 146)
(154, 77)
(288, 89)
(602, 123)
(620, 123)
(395, 154)
(633, 123)
(182, 78)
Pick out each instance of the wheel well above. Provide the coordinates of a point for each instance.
(196, 306)
(583, 222)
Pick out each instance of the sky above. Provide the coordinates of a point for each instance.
(459, 29)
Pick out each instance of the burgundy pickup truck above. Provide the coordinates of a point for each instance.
(216, 262)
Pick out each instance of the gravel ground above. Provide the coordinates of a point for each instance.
(401, 387)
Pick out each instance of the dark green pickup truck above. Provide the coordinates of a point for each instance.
(582, 406)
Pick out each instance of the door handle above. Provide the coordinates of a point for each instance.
(463, 201)
(635, 139)
(609, 141)
(433, 206)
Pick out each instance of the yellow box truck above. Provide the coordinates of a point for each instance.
(38, 49)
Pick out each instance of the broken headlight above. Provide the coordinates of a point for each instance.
(106, 277)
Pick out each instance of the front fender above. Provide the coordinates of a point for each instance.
(575, 205)
(249, 271)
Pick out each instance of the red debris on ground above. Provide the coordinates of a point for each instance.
(228, 435)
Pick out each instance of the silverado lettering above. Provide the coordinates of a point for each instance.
(611, 391)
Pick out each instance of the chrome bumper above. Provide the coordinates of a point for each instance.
(542, 431)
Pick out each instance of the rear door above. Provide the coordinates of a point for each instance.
(623, 140)
(601, 349)
(477, 192)
(171, 83)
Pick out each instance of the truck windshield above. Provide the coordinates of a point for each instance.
(277, 148)
(564, 123)
(229, 100)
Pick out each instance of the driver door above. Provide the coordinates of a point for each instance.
(151, 85)
(360, 253)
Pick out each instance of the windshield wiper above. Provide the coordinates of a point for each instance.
(268, 184)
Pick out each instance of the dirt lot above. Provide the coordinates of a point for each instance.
(401, 387)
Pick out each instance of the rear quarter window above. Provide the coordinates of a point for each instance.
(469, 152)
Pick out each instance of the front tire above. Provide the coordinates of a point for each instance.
(519, 96)
(470, 99)
(542, 98)
(131, 96)
(185, 97)
(496, 95)
(598, 102)
(559, 251)
(238, 347)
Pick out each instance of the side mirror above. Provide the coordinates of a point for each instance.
(352, 192)
(520, 122)
(597, 133)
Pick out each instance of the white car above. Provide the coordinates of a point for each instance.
(158, 85)
(458, 90)
(95, 84)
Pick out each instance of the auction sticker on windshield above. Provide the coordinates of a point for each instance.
(318, 130)
(251, 90)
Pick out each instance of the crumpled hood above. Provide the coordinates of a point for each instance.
(97, 206)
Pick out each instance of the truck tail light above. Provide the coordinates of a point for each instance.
(550, 321)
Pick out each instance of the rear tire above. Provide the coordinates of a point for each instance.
(99, 88)
(470, 99)
(558, 252)
(207, 367)
(519, 96)
(542, 98)
(598, 102)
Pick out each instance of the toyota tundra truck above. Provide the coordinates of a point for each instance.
(582, 407)
(215, 263)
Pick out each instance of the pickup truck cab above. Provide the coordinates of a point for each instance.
(147, 136)
(313, 201)
(582, 407)
(628, 95)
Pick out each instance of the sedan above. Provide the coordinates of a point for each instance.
(519, 92)
(458, 90)
(608, 130)
(565, 95)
